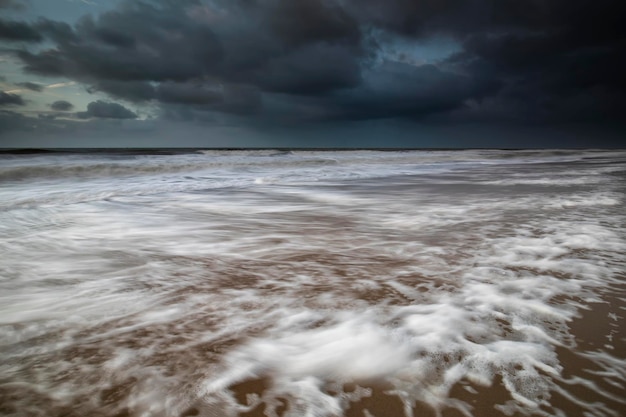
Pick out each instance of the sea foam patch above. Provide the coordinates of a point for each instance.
(502, 322)
(391, 284)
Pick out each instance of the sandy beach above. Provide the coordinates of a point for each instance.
(359, 283)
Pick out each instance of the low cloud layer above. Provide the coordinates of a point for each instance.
(7, 99)
(31, 86)
(106, 110)
(61, 105)
(18, 31)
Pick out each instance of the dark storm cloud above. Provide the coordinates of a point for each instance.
(301, 48)
(18, 31)
(31, 86)
(306, 49)
(11, 4)
(395, 89)
(554, 61)
(188, 93)
(60, 32)
(134, 91)
(309, 70)
(11, 99)
(528, 60)
(304, 22)
(565, 64)
(420, 18)
(141, 41)
(178, 98)
(58, 130)
(106, 110)
(61, 105)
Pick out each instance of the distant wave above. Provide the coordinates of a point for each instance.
(117, 169)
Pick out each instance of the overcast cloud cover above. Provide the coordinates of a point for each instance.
(408, 73)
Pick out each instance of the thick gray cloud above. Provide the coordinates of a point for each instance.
(214, 60)
(305, 22)
(305, 49)
(566, 64)
(11, 99)
(141, 41)
(106, 110)
(11, 4)
(18, 31)
(285, 61)
(237, 99)
(61, 105)
(31, 86)
(395, 89)
(134, 91)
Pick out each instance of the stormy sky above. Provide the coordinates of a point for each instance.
(312, 73)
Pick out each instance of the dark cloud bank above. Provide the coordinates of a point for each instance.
(106, 110)
(316, 63)
(61, 105)
(11, 99)
(31, 86)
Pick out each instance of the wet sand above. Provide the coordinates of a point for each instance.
(598, 330)
(489, 289)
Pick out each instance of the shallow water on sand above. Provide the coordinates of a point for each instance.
(356, 283)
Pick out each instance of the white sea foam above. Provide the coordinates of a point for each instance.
(154, 290)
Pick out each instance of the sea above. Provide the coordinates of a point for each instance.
(313, 283)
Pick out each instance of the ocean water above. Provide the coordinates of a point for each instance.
(313, 283)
